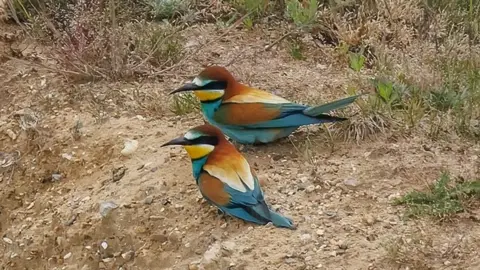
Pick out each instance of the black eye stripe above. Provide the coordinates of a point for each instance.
(215, 85)
(211, 140)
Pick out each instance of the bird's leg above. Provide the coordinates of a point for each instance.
(222, 214)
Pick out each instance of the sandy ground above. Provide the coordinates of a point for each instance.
(340, 198)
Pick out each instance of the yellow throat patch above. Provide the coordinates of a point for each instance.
(207, 95)
(198, 151)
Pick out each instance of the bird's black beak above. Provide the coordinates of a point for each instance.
(186, 87)
(177, 141)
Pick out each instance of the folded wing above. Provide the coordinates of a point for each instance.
(228, 183)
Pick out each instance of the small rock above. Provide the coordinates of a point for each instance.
(212, 253)
(320, 232)
(104, 245)
(101, 97)
(394, 196)
(351, 182)
(447, 263)
(310, 189)
(107, 207)
(193, 266)
(118, 173)
(148, 200)
(127, 256)
(369, 220)
(342, 245)
(159, 238)
(56, 177)
(290, 260)
(7, 240)
(174, 237)
(67, 256)
(11, 134)
(130, 146)
(228, 246)
(72, 219)
(67, 156)
(60, 241)
(305, 237)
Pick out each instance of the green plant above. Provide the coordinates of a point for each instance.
(459, 93)
(442, 200)
(248, 22)
(302, 14)
(21, 9)
(184, 103)
(296, 49)
(357, 61)
(166, 9)
(253, 9)
(386, 91)
(445, 100)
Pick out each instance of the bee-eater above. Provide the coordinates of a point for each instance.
(248, 115)
(225, 178)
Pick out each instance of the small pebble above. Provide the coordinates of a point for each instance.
(11, 134)
(305, 237)
(351, 182)
(7, 240)
(310, 189)
(67, 256)
(128, 255)
(56, 177)
(148, 200)
(369, 220)
(107, 207)
(174, 237)
(130, 146)
(159, 238)
(342, 245)
(193, 266)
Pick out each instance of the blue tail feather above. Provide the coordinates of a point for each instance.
(325, 108)
(281, 221)
(257, 214)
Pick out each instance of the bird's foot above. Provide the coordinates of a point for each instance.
(222, 215)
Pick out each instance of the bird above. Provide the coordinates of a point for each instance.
(252, 116)
(225, 178)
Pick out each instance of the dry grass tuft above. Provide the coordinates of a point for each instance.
(364, 126)
(411, 251)
(102, 39)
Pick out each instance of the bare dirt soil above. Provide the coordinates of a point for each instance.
(341, 198)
